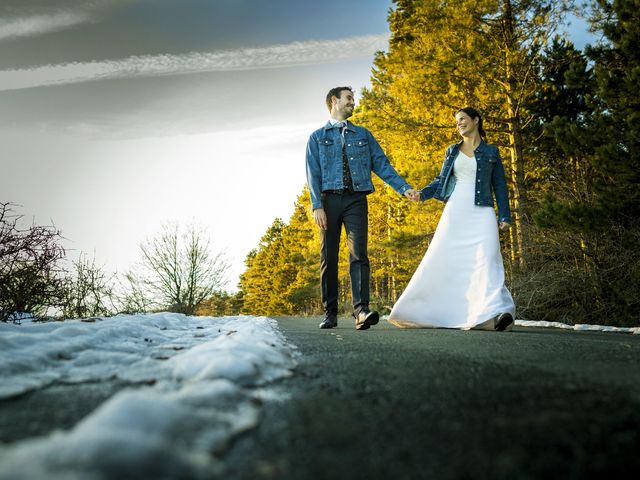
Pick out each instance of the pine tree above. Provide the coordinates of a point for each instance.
(443, 56)
(282, 275)
(565, 121)
(260, 291)
(617, 75)
(602, 203)
(302, 244)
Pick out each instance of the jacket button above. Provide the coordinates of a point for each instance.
(478, 179)
(478, 191)
(351, 158)
(477, 203)
(348, 144)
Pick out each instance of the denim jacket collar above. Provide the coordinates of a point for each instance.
(481, 146)
(350, 126)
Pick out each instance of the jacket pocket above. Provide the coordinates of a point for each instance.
(358, 146)
(358, 150)
(326, 147)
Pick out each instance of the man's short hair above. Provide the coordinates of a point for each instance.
(336, 92)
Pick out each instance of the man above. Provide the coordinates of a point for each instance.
(340, 159)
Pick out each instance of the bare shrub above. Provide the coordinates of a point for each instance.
(31, 275)
(89, 290)
(177, 271)
(574, 277)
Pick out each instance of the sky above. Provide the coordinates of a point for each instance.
(119, 116)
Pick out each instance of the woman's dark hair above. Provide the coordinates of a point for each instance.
(473, 113)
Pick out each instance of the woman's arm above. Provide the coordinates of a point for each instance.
(429, 191)
(499, 183)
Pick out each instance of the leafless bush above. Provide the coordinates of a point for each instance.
(89, 291)
(134, 299)
(177, 271)
(580, 278)
(31, 275)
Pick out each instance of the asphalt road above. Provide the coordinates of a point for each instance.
(440, 404)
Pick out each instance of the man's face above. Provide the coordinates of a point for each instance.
(345, 104)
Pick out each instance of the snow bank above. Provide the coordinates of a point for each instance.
(200, 369)
(140, 348)
(578, 327)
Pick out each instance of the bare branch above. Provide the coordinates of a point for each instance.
(178, 271)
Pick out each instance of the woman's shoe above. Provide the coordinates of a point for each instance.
(504, 321)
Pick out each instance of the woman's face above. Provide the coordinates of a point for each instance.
(465, 124)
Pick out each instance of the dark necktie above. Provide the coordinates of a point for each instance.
(346, 171)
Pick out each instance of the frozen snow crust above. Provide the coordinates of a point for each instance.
(194, 387)
(578, 327)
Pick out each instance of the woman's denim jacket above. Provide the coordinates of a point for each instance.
(490, 179)
(324, 162)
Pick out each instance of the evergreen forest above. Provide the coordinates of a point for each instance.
(567, 122)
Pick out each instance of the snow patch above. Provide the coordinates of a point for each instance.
(208, 377)
(578, 327)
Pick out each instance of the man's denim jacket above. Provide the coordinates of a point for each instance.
(324, 162)
(490, 179)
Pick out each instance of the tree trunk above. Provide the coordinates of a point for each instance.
(581, 193)
(517, 183)
(392, 260)
(515, 140)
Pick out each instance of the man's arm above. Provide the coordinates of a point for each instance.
(386, 172)
(314, 173)
(314, 181)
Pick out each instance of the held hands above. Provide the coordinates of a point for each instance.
(412, 195)
(320, 216)
(504, 226)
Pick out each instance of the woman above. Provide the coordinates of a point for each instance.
(460, 281)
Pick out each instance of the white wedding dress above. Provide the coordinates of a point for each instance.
(460, 281)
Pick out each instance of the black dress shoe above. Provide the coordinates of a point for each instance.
(365, 318)
(329, 321)
(503, 321)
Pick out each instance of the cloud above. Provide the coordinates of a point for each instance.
(22, 19)
(275, 56)
(40, 24)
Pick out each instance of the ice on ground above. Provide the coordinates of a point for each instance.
(578, 327)
(140, 348)
(564, 326)
(202, 370)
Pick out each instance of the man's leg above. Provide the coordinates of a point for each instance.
(329, 247)
(356, 224)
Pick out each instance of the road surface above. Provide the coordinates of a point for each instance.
(443, 404)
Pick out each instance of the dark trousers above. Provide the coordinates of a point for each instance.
(350, 210)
